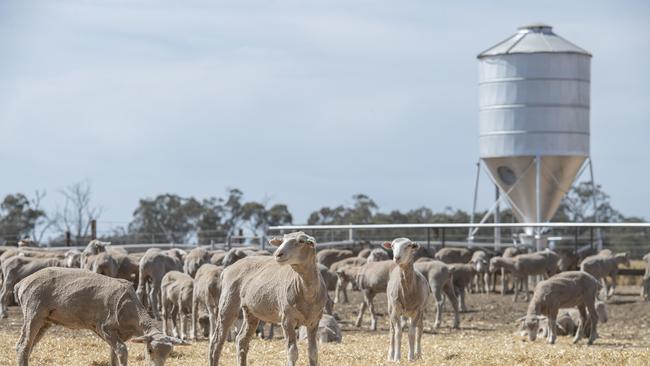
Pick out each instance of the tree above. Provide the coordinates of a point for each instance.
(166, 218)
(20, 217)
(577, 205)
(259, 218)
(77, 212)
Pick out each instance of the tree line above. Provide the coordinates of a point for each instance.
(170, 218)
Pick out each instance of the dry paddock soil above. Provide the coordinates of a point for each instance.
(485, 338)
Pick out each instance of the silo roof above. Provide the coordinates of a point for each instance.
(533, 38)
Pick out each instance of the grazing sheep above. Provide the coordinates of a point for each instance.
(377, 255)
(327, 257)
(440, 281)
(462, 274)
(566, 289)
(176, 290)
(153, 266)
(285, 289)
(407, 292)
(453, 255)
(342, 279)
(207, 288)
(525, 265)
(568, 321)
(79, 299)
(15, 269)
(328, 330)
(195, 259)
(372, 279)
(602, 265)
(481, 282)
(645, 286)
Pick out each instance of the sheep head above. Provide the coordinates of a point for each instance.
(158, 347)
(531, 325)
(403, 250)
(293, 248)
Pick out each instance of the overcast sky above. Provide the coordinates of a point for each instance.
(299, 102)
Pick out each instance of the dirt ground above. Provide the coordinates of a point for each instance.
(486, 337)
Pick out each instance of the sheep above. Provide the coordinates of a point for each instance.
(602, 265)
(462, 274)
(176, 290)
(346, 274)
(453, 255)
(328, 330)
(525, 265)
(569, 261)
(568, 320)
(566, 289)
(95, 247)
(481, 281)
(114, 264)
(207, 288)
(327, 257)
(407, 292)
(645, 286)
(364, 253)
(194, 259)
(153, 266)
(330, 278)
(285, 289)
(372, 279)
(79, 299)
(342, 280)
(510, 252)
(217, 258)
(377, 255)
(15, 269)
(73, 258)
(232, 256)
(440, 281)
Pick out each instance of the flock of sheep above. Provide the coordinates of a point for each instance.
(119, 296)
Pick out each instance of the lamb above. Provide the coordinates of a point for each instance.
(15, 269)
(566, 289)
(372, 279)
(601, 266)
(285, 289)
(342, 279)
(327, 257)
(440, 281)
(207, 288)
(377, 255)
(510, 252)
(453, 255)
(481, 281)
(153, 266)
(79, 299)
(176, 290)
(463, 274)
(407, 292)
(346, 274)
(195, 259)
(328, 330)
(525, 265)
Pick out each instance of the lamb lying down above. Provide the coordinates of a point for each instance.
(79, 299)
(328, 330)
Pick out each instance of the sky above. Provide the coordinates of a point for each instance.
(300, 102)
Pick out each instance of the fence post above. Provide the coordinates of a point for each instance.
(591, 237)
(350, 234)
(211, 244)
(67, 238)
(429, 238)
(576, 239)
(228, 242)
(442, 237)
(93, 229)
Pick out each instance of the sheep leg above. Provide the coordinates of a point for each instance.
(292, 346)
(461, 299)
(411, 337)
(552, 326)
(398, 337)
(362, 309)
(581, 324)
(593, 319)
(312, 332)
(612, 288)
(195, 318)
(5, 297)
(373, 315)
(174, 317)
(486, 282)
(244, 337)
(182, 319)
(437, 294)
(228, 312)
(31, 327)
(525, 285)
(418, 334)
(391, 346)
(516, 288)
(449, 291)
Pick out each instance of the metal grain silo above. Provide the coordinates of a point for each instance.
(534, 118)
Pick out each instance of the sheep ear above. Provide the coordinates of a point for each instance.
(276, 241)
(415, 246)
(387, 245)
(142, 339)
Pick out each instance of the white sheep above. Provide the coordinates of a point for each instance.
(566, 289)
(207, 288)
(602, 265)
(285, 289)
(525, 265)
(440, 281)
(79, 299)
(407, 292)
(372, 279)
(176, 289)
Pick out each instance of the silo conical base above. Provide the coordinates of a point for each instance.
(515, 176)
